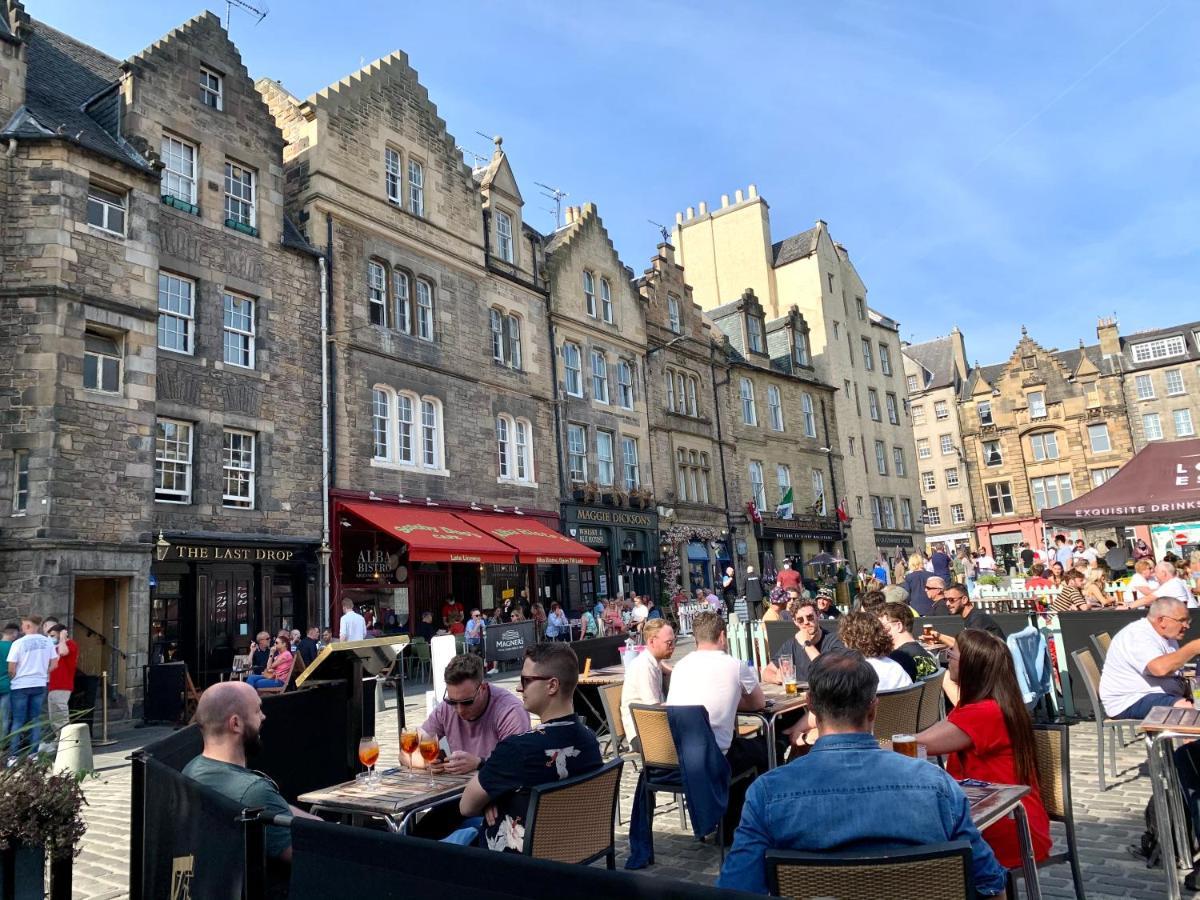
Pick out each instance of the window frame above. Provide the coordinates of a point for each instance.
(898, 464)
(504, 237)
(577, 369)
(233, 213)
(868, 355)
(168, 155)
(1000, 501)
(820, 500)
(989, 461)
(1175, 420)
(589, 294)
(885, 359)
(1159, 348)
(402, 315)
(119, 202)
(881, 466)
(229, 456)
(893, 409)
(606, 463)
(755, 342)
(188, 319)
(873, 409)
(20, 470)
(383, 409)
(606, 300)
(1143, 385)
(425, 323)
(377, 293)
(958, 514)
(749, 409)
(1154, 417)
(808, 414)
(496, 328)
(1174, 375)
(625, 392)
(630, 463)
(101, 357)
(917, 412)
(1041, 488)
(1047, 441)
(674, 314)
(983, 409)
(207, 89)
(924, 451)
(416, 187)
(928, 482)
(174, 496)
(758, 488)
(577, 451)
(504, 439)
(599, 376)
(393, 176)
(248, 338)
(775, 407)
(1037, 404)
(956, 481)
(1093, 430)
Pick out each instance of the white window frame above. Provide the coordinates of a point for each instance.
(1037, 404)
(885, 359)
(432, 443)
(990, 461)
(1099, 476)
(1099, 431)
(775, 408)
(496, 327)
(523, 450)
(241, 188)
(1044, 446)
(504, 447)
(1161, 348)
(20, 495)
(1154, 433)
(186, 317)
(1183, 417)
(179, 459)
(1144, 385)
(984, 410)
(383, 405)
(928, 482)
(868, 355)
(674, 318)
(103, 361)
(893, 409)
(749, 411)
(681, 475)
(1174, 382)
(670, 378)
(212, 89)
(1050, 491)
(630, 464)
(873, 405)
(606, 469)
(911, 383)
(889, 512)
(572, 373)
(109, 203)
(625, 397)
(958, 514)
(917, 411)
(881, 466)
(416, 188)
(377, 293)
(238, 327)
(233, 466)
(606, 301)
(933, 515)
(923, 449)
(516, 355)
(693, 408)
(407, 428)
(754, 335)
(941, 410)
(802, 350)
(589, 293)
(952, 479)
(577, 453)
(393, 176)
(401, 290)
(783, 480)
(758, 488)
(504, 236)
(906, 519)
(807, 415)
(179, 169)
(424, 309)
(599, 363)
(898, 465)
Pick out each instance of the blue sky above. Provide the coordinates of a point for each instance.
(986, 165)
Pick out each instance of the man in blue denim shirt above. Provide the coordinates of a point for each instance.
(847, 794)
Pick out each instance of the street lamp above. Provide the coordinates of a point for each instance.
(324, 552)
(161, 547)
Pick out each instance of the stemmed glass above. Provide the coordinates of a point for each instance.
(410, 739)
(368, 753)
(429, 753)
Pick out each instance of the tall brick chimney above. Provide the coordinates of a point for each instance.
(1110, 338)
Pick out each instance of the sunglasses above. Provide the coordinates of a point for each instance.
(527, 680)
(467, 702)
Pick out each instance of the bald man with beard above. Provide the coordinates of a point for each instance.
(230, 717)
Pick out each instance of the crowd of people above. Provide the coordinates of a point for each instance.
(36, 684)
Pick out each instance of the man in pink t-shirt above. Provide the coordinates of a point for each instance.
(474, 716)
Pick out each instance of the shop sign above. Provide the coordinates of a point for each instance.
(220, 553)
(884, 539)
(628, 518)
(801, 534)
(504, 642)
(592, 537)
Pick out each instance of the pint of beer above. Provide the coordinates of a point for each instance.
(905, 744)
(790, 687)
(927, 631)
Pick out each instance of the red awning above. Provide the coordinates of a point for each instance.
(533, 541)
(1161, 484)
(433, 535)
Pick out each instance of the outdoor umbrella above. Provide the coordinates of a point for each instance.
(825, 559)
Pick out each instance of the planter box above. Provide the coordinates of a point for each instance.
(22, 873)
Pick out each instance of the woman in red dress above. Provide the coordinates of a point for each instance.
(988, 736)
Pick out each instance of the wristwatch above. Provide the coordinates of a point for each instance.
(808, 643)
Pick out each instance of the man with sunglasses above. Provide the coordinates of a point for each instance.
(1141, 668)
(958, 603)
(560, 747)
(810, 641)
(474, 716)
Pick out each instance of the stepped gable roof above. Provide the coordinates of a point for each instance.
(795, 247)
(69, 95)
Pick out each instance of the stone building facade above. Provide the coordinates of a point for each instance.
(442, 384)
(598, 332)
(160, 438)
(782, 427)
(1038, 430)
(854, 348)
(934, 373)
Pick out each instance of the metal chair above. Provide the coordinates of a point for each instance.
(1100, 644)
(572, 821)
(928, 872)
(1052, 744)
(932, 709)
(897, 713)
(1085, 663)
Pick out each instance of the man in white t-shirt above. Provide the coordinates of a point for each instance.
(643, 677)
(986, 562)
(30, 661)
(353, 627)
(1140, 669)
(725, 686)
(1171, 585)
(640, 612)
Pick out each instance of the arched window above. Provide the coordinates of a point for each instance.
(599, 377)
(524, 451)
(424, 310)
(404, 415)
(775, 405)
(572, 366)
(749, 413)
(403, 301)
(625, 384)
(503, 446)
(399, 436)
(681, 393)
(431, 440)
(381, 422)
(377, 299)
(514, 449)
(693, 408)
(670, 376)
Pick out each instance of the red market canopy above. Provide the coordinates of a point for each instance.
(432, 535)
(1161, 484)
(534, 542)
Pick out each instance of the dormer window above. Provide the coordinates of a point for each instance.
(674, 320)
(504, 236)
(754, 334)
(211, 94)
(1162, 348)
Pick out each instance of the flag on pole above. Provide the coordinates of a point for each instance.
(785, 508)
(842, 513)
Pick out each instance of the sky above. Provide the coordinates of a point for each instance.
(987, 165)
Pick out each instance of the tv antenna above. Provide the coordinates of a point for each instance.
(556, 195)
(260, 11)
(662, 229)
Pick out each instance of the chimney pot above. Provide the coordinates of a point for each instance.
(737, 196)
(724, 200)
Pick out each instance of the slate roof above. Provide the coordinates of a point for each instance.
(1069, 359)
(68, 95)
(294, 238)
(1191, 345)
(796, 247)
(937, 357)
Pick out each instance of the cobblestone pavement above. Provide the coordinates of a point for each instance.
(1106, 822)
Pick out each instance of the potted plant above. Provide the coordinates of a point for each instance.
(40, 818)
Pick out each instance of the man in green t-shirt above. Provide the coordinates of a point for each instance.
(230, 717)
(11, 631)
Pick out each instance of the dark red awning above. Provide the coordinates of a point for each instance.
(534, 542)
(433, 535)
(1161, 484)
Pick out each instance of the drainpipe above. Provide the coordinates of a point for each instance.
(324, 440)
(712, 369)
(833, 488)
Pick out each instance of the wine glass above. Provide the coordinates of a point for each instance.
(410, 739)
(368, 753)
(429, 753)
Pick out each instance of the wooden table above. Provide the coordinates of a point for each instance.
(992, 802)
(395, 799)
(604, 676)
(1162, 728)
(780, 703)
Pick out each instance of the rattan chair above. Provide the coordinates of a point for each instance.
(932, 709)
(1085, 663)
(1100, 643)
(926, 872)
(897, 713)
(572, 821)
(1052, 744)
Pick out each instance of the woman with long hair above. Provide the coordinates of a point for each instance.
(1058, 574)
(989, 736)
(862, 631)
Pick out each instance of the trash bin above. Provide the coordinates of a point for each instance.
(84, 698)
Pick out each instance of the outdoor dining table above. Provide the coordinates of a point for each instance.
(779, 702)
(395, 800)
(1161, 729)
(992, 802)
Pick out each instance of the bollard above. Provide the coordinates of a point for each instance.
(74, 750)
(104, 738)
(379, 682)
